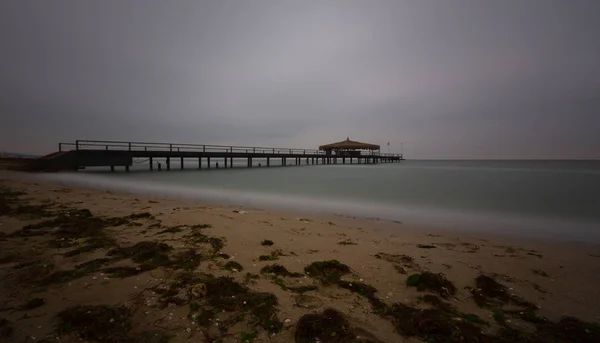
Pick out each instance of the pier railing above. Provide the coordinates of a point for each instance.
(177, 147)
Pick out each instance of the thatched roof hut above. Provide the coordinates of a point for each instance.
(349, 145)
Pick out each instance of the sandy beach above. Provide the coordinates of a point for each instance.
(90, 264)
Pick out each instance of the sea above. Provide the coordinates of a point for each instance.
(550, 200)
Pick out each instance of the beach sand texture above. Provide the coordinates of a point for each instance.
(90, 264)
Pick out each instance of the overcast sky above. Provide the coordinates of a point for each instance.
(450, 79)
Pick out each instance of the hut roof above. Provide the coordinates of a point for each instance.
(348, 144)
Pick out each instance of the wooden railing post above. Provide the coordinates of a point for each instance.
(129, 146)
(77, 145)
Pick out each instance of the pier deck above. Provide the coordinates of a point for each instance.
(87, 153)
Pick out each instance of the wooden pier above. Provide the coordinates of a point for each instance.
(111, 154)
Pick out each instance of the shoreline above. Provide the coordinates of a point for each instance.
(496, 224)
(560, 278)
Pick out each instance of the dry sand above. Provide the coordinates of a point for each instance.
(560, 278)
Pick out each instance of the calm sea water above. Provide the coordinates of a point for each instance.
(552, 199)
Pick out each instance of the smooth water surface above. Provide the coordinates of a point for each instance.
(558, 198)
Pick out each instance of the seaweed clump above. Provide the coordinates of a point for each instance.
(72, 223)
(233, 266)
(148, 253)
(33, 303)
(104, 324)
(328, 272)
(436, 283)
(224, 294)
(6, 328)
(329, 326)
(279, 270)
(435, 325)
(490, 293)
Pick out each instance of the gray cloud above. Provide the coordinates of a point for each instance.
(450, 79)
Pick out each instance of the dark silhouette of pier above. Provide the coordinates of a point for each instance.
(88, 153)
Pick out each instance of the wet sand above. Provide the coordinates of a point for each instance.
(560, 279)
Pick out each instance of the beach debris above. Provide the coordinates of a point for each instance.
(6, 328)
(141, 215)
(198, 290)
(304, 220)
(273, 256)
(432, 282)
(399, 269)
(248, 337)
(296, 289)
(426, 246)
(249, 277)
(148, 252)
(32, 303)
(125, 271)
(266, 242)
(268, 257)
(279, 270)
(240, 211)
(402, 262)
(540, 272)
(196, 236)
(188, 260)
(490, 293)
(104, 324)
(307, 301)
(233, 266)
(328, 272)
(404, 259)
(445, 326)
(224, 301)
(347, 242)
(173, 229)
(329, 326)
